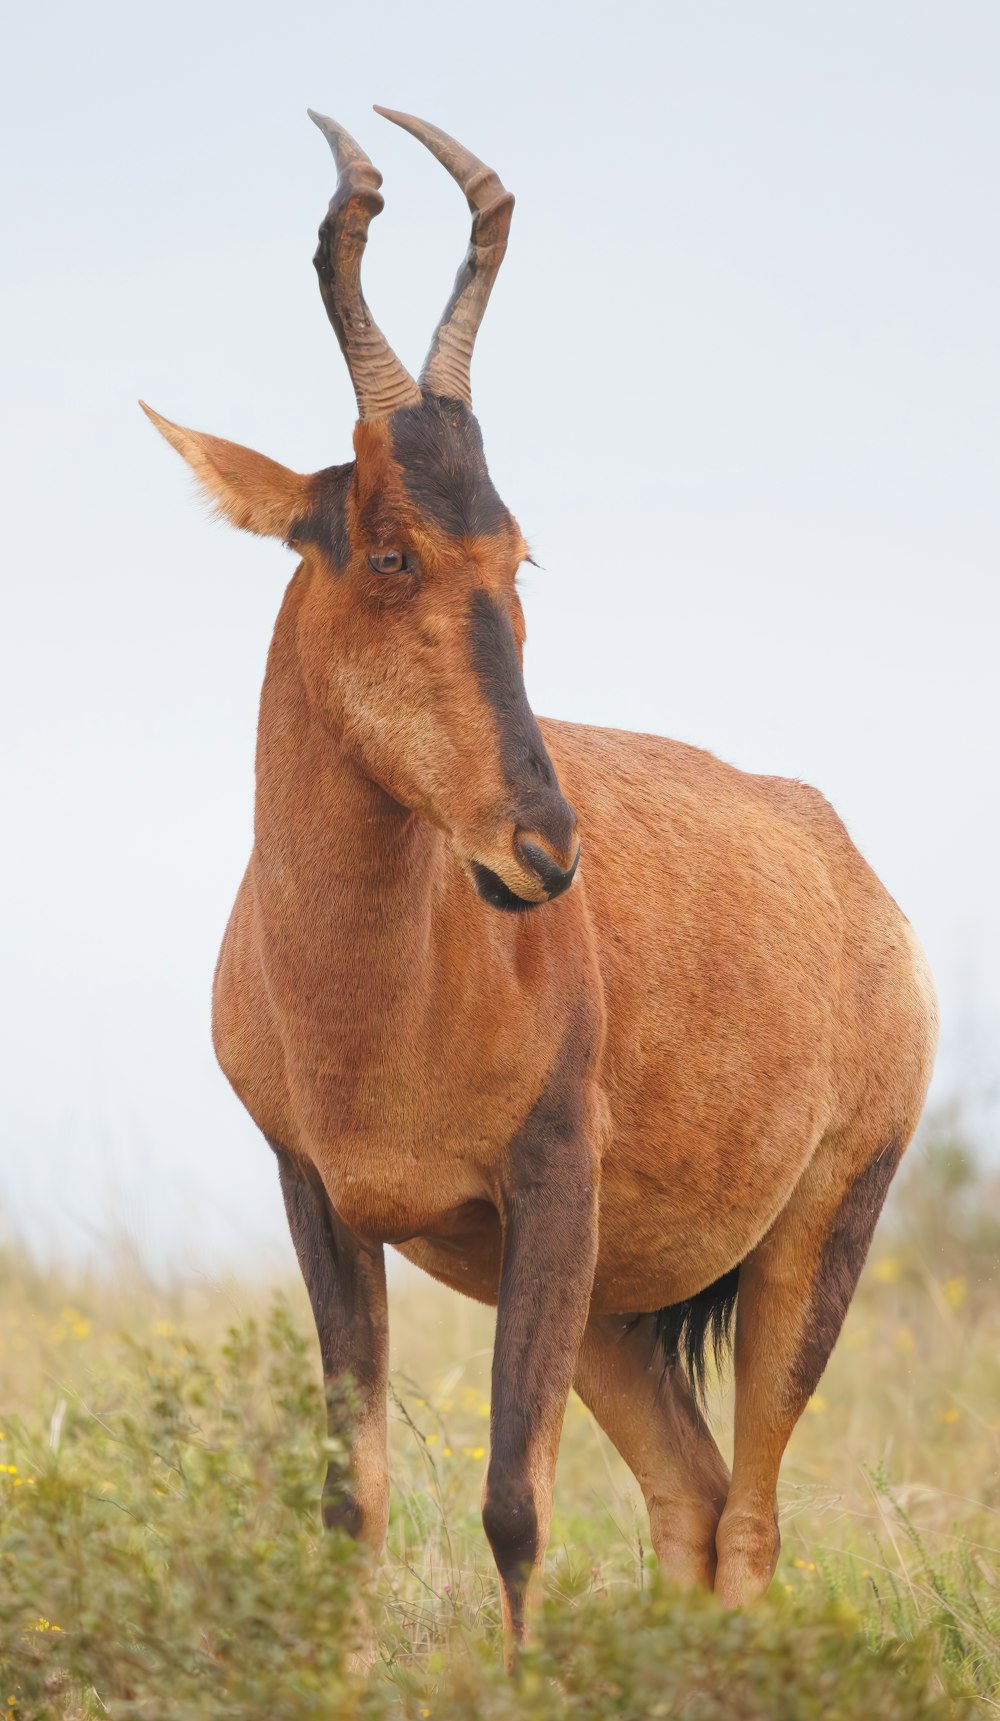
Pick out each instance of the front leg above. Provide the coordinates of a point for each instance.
(346, 1284)
(548, 1212)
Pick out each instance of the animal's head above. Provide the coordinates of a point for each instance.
(410, 631)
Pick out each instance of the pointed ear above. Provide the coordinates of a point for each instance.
(249, 489)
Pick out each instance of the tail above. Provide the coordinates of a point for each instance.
(684, 1332)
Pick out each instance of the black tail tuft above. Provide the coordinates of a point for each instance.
(685, 1330)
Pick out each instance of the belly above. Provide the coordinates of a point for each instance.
(389, 1193)
(669, 1222)
(462, 1252)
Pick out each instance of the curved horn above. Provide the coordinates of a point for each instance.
(381, 383)
(446, 367)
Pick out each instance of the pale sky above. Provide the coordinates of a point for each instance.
(739, 382)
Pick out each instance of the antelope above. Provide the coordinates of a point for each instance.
(587, 1024)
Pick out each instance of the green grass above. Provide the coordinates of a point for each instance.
(160, 1554)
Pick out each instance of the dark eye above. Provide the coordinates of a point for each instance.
(389, 562)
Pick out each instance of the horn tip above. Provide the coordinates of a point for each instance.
(345, 150)
(393, 114)
(335, 134)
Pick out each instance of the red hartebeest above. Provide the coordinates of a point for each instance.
(616, 1111)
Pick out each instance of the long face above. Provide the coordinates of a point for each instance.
(410, 630)
(411, 637)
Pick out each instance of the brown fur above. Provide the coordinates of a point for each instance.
(838, 1270)
(706, 1054)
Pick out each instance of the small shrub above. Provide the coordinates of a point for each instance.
(166, 1559)
(666, 1656)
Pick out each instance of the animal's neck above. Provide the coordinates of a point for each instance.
(343, 876)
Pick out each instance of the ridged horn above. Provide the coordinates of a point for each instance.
(446, 368)
(381, 382)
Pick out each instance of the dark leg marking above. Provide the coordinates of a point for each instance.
(549, 1248)
(511, 1525)
(344, 1283)
(839, 1268)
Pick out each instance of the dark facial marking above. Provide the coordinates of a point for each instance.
(839, 1269)
(440, 451)
(326, 522)
(527, 768)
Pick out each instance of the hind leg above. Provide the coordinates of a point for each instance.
(659, 1431)
(795, 1288)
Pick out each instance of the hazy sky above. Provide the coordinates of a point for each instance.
(739, 381)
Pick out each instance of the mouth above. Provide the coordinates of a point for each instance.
(493, 890)
(499, 895)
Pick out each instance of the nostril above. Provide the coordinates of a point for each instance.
(555, 878)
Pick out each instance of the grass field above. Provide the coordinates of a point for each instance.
(160, 1555)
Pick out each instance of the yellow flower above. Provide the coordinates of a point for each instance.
(954, 1292)
(42, 1624)
(446, 1451)
(889, 1270)
(951, 1414)
(800, 1565)
(162, 1329)
(484, 1410)
(817, 1404)
(473, 1451)
(432, 1439)
(81, 1328)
